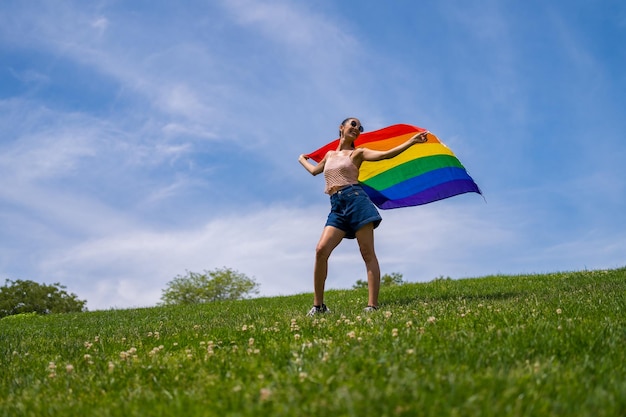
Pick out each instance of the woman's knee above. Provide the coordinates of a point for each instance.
(368, 253)
(321, 252)
(365, 237)
(328, 242)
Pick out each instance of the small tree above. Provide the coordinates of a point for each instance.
(216, 285)
(25, 296)
(386, 280)
(394, 278)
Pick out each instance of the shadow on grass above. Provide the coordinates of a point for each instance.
(409, 299)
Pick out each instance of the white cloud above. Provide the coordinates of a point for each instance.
(268, 245)
(130, 265)
(101, 23)
(180, 99)
(296, 25)
(46, 156)
(274, 244)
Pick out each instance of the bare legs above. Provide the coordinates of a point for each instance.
(331, 237)
(365, 238)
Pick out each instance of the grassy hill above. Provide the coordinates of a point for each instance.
(538, 345)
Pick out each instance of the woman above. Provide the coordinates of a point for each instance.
(352, 215)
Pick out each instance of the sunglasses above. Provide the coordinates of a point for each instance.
(353, 124)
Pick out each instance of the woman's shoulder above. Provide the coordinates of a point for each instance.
(357, 152)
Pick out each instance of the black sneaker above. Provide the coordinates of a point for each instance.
(318, 310)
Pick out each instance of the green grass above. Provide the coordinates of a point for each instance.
(538, 345)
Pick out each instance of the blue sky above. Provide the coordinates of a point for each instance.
(140, 140)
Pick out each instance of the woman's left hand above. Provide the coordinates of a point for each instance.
(421, 137)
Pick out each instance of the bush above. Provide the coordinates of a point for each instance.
(25, 296)
(216, 285)
(395, 278)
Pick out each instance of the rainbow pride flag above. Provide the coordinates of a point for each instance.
(424, 173)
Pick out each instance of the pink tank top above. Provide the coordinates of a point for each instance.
(339, 171)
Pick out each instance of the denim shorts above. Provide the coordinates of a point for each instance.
(351, 209)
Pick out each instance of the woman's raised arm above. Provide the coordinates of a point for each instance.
(373, 155)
